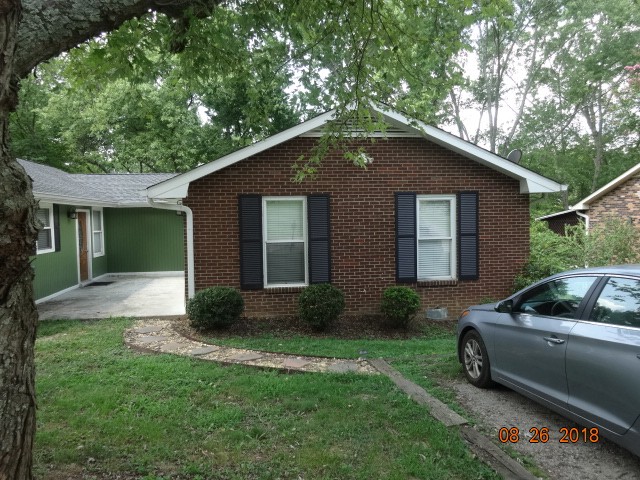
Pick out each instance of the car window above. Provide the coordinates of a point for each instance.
(558, 298)
(619, 303)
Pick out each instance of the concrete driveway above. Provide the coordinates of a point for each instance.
(119, 296)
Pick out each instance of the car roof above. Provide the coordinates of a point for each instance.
(607, 270)
(633, 270)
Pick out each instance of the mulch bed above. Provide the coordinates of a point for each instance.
(346, 327)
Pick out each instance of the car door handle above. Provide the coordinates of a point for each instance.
(555, 340)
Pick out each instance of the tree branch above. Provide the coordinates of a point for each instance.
(50, 27)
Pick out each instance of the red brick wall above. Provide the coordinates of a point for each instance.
(362, 221)
(621, 203)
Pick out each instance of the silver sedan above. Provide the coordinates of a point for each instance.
(570, 342)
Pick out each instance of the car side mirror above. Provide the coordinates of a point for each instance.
(505, 306)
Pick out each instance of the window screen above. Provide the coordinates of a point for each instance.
(436, 234)
(285, 242)
(45, 234)
(98, 247)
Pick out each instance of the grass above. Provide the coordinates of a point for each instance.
(424, 359)
(105, 411)
(433, 341)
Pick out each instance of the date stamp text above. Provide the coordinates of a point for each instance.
(541, 435)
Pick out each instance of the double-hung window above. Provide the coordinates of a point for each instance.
(436, 237)
(98, 232)
(285, 241)
(46, 237)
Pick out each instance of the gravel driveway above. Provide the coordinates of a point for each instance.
(500, 407)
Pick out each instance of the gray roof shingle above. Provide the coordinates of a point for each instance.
(114, 189)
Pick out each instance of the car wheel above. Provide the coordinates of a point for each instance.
(475, 360)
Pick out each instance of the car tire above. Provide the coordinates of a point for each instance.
(475, 360)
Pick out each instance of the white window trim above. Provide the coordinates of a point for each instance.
(454, 239)
(264, 241)
(51, 227)
(100, 231)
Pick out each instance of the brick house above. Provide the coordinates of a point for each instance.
(619, 199)
(431, 211)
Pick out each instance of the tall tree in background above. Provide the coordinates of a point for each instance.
(367, 50)
(547, 76)
(150, 125)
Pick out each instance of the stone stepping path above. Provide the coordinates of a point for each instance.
(159, 336)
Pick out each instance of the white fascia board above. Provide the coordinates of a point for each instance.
(557, 214)
(584, 203)
(74, 201)
(83, 202)
(180, 184)
(530, 182)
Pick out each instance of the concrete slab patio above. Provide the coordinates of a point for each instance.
(126, 296)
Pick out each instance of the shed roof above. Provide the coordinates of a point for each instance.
(113, 190)
(530, 182)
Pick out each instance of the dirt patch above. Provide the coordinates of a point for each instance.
(500, 407)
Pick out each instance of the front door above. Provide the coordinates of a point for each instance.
(83, 247)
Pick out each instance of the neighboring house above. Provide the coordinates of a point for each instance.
(619, 199)
(99, 224)
(431, 211)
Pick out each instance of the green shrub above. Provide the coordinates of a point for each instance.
(614, 242)
(319, 305)
(399, 305)
(215, 307)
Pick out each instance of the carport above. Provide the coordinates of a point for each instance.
(119, 296)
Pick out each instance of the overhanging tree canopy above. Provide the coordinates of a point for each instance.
(370, 50)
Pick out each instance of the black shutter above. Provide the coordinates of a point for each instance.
(406, 267)
(468, 248)
(250, 218)
(319, 238)
(56, 226)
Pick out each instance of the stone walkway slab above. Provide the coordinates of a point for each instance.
(246, 357)
(169, 340)
(173, 346)
(152, 339)
(151, 329)
(203, 350)
(295, 363)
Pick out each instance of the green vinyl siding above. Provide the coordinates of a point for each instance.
(143, 240)
(56, 271)
(99, 266)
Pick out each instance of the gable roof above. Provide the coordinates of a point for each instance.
(616, 182)
(109, 190)
(530, 182)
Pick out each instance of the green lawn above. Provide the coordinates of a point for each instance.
(106, 411)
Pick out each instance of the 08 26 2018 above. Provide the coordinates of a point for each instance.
(541, 435)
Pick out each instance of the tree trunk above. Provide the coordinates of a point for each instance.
(18, 314)
(48, 29)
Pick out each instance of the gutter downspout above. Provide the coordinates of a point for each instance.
(191, 281)
(586, 220)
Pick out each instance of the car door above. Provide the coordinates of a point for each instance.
(603, 357)
(531, 342)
